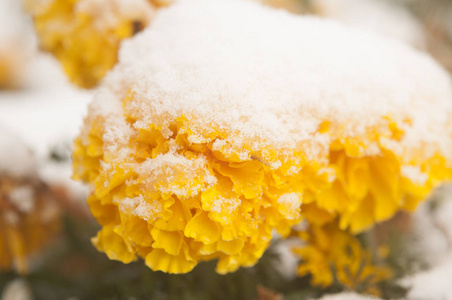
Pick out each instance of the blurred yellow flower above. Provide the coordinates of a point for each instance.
(85, 35)
(335, 256)
(29, 218)
(29, 212)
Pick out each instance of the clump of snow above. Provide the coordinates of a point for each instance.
(291, 203)
(221, 204)
(139, 207)
(171, 171)
(267, 77)
(414, 174)
(16, 159)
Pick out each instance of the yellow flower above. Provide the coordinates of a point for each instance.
(29, 213)
(370, 188)
(85, 35)
(29, 218)
(175, 203)
(206, 137)
(333, 255)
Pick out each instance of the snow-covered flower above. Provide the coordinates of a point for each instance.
(226, 120)
(85, 34)
(29, 215)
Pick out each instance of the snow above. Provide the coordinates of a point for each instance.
(47, 114)
(270, 78)
(16, 159)
(171, 171)
(47, 111)
(414, 174)
(291, 203)
(378, 16)
(221, 204)
(287, 263)
(277, 91)
(139, 207)
(432, 228)
(433, 284)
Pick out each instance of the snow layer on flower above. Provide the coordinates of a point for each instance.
(272, 78)
(16, 159)
(139, 207)
(290, 203)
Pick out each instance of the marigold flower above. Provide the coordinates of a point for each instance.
(85, 34)
(333, 255)
(226, 120)
(29, 216)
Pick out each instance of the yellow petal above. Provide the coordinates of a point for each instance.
(108, 241)
(202, 229)
(170, 241)
(230, 247)
(159, 260)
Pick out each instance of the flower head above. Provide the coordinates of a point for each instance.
(332, 255)
(85, 35)
(29, 216)
(225, 120)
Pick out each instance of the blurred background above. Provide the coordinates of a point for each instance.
(45, 248)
